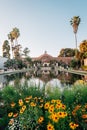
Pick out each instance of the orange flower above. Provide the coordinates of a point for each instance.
(84, 116)
(15, 115)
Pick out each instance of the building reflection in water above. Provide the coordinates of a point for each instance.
(61, 79)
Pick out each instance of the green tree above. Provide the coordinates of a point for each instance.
(6, 49)
(26, 51)
(67, 52)
(83, 48)
(17, 51)
(75, 21)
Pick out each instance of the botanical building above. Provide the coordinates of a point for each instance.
(46, 63)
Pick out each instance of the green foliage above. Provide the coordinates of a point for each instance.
(6, 49)
(75, 63)
(30, 105)
(67, 52)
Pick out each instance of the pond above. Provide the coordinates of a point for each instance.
(61, 80)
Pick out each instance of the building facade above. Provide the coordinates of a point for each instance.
(46, 64)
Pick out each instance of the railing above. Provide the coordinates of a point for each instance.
(79, 72)
(57, 68)
(14, 71)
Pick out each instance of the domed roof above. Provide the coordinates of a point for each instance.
(45, 57)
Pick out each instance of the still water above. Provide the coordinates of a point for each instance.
(60, 80)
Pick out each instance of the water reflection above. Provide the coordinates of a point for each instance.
(61, 80)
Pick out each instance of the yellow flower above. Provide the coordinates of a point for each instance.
(62, 114)
(50, 127)
(58, 105)
(27, 99)
(51, 108)
(41, 100)
(13, 104)
(40, 120)
(46, 106)
(54, 117)
(35, 98)
(23, 107)
(32, 104)
(41, 105)
(20, 102)
(63, 106)
(53, 101)
(10, 114)
(58, 101)
(73, 126)
(21, 111)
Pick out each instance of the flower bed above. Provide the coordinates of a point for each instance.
(37, 111)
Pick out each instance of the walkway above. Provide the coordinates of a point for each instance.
(79, 72)
(60, 69)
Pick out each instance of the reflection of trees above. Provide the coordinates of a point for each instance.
(68, 78)
(14, 77)
(63, 77)
(45, 78)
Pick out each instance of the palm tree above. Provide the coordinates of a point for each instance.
(10, 37)
(6, 49)
(75, 21)
(15, 34)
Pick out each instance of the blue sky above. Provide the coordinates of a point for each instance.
(44, 24)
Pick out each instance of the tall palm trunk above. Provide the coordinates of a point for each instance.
(76, 45)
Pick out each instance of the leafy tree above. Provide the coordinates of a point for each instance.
(67, 52)
(6, 49)
(17, 51)
(83, 48)
(75, 63)
(26, 51)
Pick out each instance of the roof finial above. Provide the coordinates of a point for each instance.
(45, 52)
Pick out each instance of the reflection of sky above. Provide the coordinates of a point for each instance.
(40, 83)
(34, 82)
